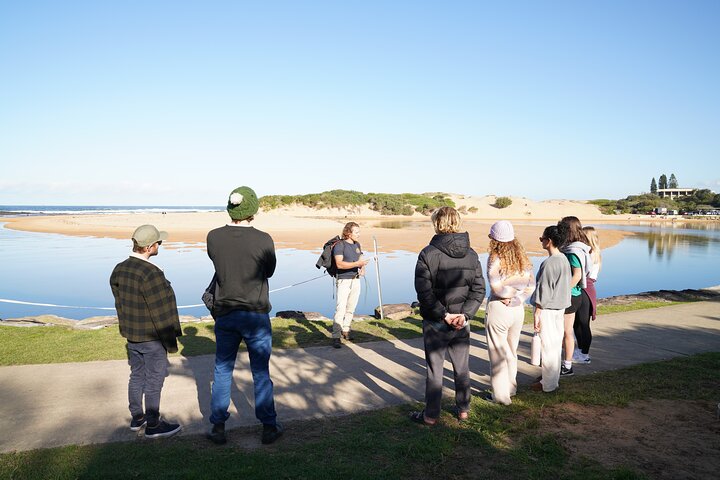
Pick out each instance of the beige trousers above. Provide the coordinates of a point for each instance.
(552, 329)
(346, 299)
(503, 325)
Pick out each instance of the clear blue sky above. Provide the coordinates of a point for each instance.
(178, 102)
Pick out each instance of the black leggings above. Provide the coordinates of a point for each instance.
(582, 323)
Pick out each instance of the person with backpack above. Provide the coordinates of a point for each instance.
(349, 267)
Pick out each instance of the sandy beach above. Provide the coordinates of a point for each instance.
(307, 229)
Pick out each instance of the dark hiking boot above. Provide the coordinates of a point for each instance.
(217, 434)
(271, 433)
(137, 422)
(162, 429)
(336, 343)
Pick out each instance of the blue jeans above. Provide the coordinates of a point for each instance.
(230, 330)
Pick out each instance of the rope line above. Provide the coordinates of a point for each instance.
(20, 302)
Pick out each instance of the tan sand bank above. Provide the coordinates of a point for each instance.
(307, 229)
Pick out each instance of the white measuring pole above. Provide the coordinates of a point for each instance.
(377, 272)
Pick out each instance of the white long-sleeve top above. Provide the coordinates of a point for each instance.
(517, 287)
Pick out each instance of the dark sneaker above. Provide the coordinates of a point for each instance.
(566, 372)
(162, 429)
(272, 433)
(336, 343)
(348, 336)
(217, 434)
(137, 422)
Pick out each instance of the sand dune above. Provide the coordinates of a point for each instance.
(305, 228)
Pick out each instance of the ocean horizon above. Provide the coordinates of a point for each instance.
(29, 210)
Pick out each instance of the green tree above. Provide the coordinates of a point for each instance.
(653, 187)
(704, 196)
(672, 183)
(663, 183)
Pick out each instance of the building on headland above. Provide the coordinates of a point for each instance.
(672, 193)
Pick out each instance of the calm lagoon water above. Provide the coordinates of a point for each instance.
(57, 269)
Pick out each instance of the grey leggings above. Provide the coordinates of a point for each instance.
(456, 343)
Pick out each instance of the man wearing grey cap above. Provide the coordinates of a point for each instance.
(148, 319)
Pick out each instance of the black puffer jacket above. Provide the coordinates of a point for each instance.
(448, 279)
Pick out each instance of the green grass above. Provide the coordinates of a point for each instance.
(56, 344)
(638, 305)
(496, 442)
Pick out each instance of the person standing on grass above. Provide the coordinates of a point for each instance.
(347, 254)
(583, 334)
(148, 319)
(550, 299)
(511, 279)
(577, 251)
(244, 259)
(450, 288)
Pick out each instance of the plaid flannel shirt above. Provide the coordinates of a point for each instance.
(145, 303)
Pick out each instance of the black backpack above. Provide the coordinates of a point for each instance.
(327, 260)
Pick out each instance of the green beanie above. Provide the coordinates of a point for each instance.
(242, 203)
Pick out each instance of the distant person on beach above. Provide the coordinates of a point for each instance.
(244, 259)
(577, 250)
(583, 333)
(350, 267)
(550, 299)
(450, 288)
(511, 279)
(148, 319)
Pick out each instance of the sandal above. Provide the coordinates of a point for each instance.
(419, 417)
(461, 415)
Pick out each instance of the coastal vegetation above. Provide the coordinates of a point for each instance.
(702, 199)
(59, 344)
(385, 203)
(502, 202)
(529, 439)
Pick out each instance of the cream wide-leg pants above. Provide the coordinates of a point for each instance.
(503, 325)
(552, 329)
(346, 299)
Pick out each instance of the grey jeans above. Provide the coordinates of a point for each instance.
(148, 369)
(456, 344)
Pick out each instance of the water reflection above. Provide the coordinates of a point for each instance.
(57, 269)
(664, 239)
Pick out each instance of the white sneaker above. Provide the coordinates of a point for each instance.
(577, 355)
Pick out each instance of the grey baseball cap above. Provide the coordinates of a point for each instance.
(146, 235)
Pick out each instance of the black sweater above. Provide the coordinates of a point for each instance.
(244, 258)
(448, 279)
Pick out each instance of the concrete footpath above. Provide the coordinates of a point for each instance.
(82, 403)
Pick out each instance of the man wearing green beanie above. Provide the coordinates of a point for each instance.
(244, 259)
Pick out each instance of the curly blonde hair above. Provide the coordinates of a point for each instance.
(513, 259)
